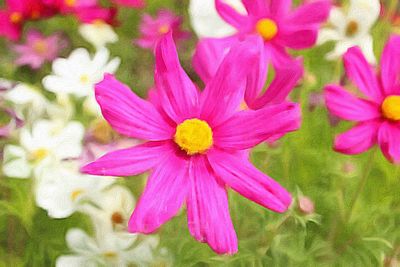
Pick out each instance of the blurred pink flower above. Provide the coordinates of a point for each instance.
(306, 205)
(196, 145)
(153, 29)
(377, 112)
(39, 49)
(275, 23)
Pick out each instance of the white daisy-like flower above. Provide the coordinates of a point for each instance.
(108, 249)
(62, 190)
(78, 74)
(27, 101)
(48, 142)
(206, 21)
(351, 28)
(98, 33)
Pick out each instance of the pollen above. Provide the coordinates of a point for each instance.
(194, 136)
(84, 79)
(267, 28)
(163, 29)
(391, 108)
(352, 28)
(117, 218)
(16, 17)
(39, 154)
(40, 47)
(76, 193)
(110, 255)
(70, 3)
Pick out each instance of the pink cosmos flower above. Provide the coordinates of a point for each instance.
(195, 145)
(153, 29)
(276, 24)
(38, 49)
(377, 110)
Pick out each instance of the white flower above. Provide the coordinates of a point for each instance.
(98, 33)
(62, 189)
(48, 142)
(206, 21)
(108, 250)
(78, 74)
(113, 210)
(352, 28)
(27, 101)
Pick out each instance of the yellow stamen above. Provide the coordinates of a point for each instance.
(164, 29)
(194, 136)
(70, 3)
(352, 28)
(76, 193)
(110, 255)
(98, 23)
(391, 108)
(84, 79)
(267, 28)
(16, 17)
(39, 154)
(117, 218)
(40, 47)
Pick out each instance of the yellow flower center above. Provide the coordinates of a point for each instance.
(194, 136)
(117, 218)
(16, 17)
(352, 28)
(99, 23)
(163, 29)
(39, 154)
(76, 193)
(110, 255)
(40, 47)
(267, 28)
(84, 79)
(391, 108)
(70, 3)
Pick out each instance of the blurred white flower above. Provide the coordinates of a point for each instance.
(206, 21)
(48, 142)
(351, 28)
(78, 74)
(62, 190)
(27, 101)
(113, 210)
(98, 33)
(108, 250)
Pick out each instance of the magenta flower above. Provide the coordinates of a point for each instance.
(153, 29)
(377, 111)
(276, 24)
(195, 145)
(38, 49)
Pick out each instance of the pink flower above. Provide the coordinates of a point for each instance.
(195, 145)
(306, 205)
(276, 24)
(153, 29)
(38, 49)
(130, 3)
(377, 111)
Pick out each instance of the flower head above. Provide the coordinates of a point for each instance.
(351, 28)
(98, 33)
(376, 112)
(153, 29)
(196, 144)
(38, 49)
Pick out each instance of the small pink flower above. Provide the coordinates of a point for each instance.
(39, 49)
(306, 205)
(195, 144)
(377, 111)
(153, 29)
(276, 24)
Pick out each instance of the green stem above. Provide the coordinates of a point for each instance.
(361, 185)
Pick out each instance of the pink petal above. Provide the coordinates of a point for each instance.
(247, 129)
(256, 7)
(298, 37)
(279, 8)
(224, 93)
(389, 141)
(230, 15)
(349, 107)
(362, 74)
(359, 139)
(313, 13)
(284, 82)
(128, 114)
(130, 161)
(390, 66)
(207, 208)
(179, 96)
(165, 192)
(245, 179)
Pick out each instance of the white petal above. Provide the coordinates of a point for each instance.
(98, 34)
(339, 50)
(74, 261)
(15, 163)
(69, 142)
(337, 18)
(366, 45)
(326, 35)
